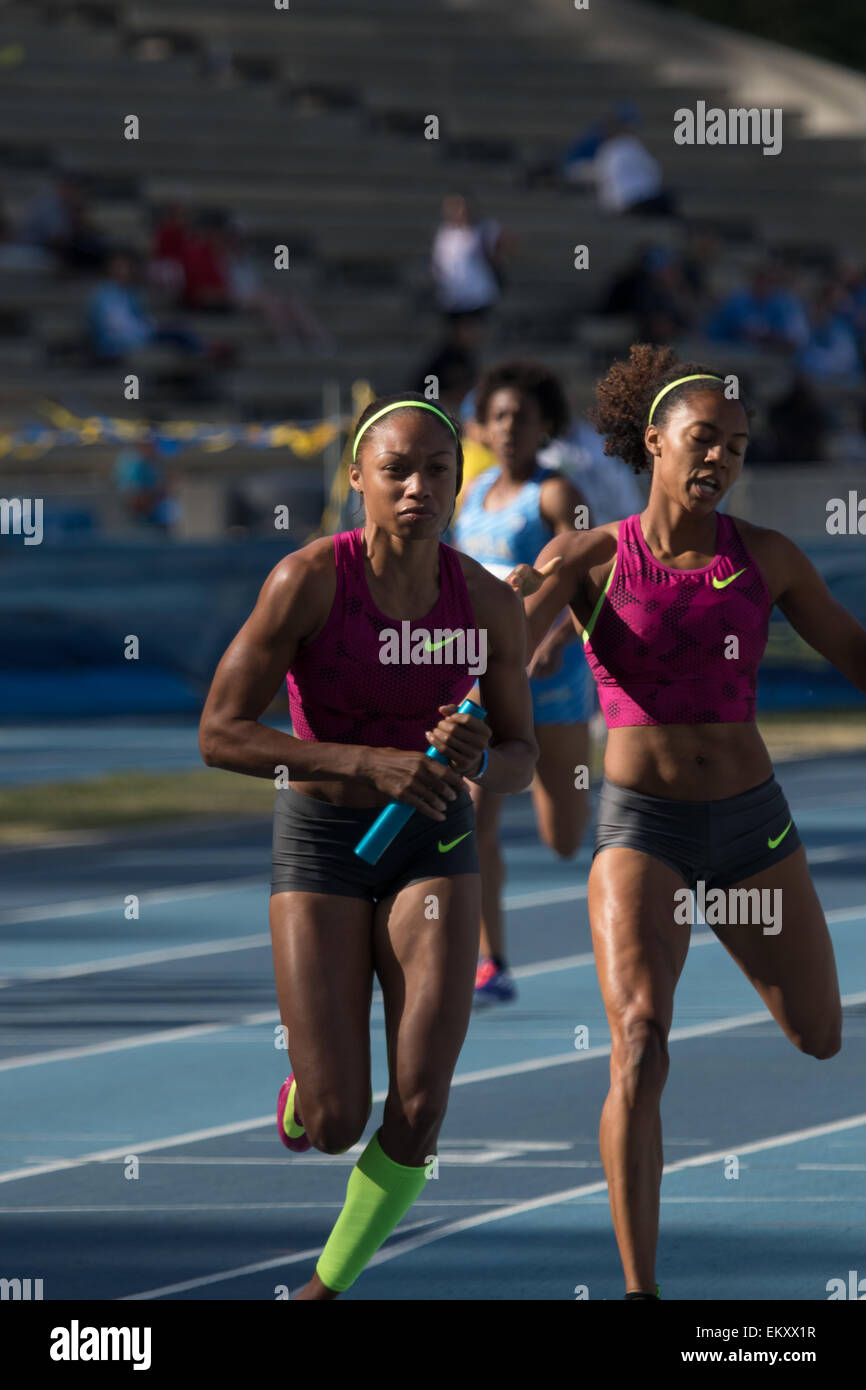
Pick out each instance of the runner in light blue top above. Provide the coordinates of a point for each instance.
(509, 514)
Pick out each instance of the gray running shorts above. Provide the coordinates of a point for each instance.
(720, 842)
(314, 842)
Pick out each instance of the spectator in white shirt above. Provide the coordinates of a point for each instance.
(467, 259)
(628, 178)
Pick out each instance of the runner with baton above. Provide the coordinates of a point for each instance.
(383, 631)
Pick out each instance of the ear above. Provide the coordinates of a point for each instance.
(653, 441)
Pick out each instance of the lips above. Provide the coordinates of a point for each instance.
(417, 512)
(706, 486)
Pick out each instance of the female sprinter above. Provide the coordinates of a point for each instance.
(361, 729)
(674, 605)
(506, 517)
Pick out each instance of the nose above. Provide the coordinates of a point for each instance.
(416, 486)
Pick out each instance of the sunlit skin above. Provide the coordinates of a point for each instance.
(327, 948)
(639, 949)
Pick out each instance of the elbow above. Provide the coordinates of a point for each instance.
(532, 755)
(208, 744)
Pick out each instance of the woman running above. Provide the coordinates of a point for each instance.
(507, 515)
(342, 615)
(674, 606)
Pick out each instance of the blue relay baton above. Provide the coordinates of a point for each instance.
(388, 825)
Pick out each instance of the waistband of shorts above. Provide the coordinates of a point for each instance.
(313, 808)
(627, 796)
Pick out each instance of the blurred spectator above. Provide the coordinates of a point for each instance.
(575, 164)
(454, 364)
(831, 352)
(291, 322)
(467, 259)
(653, 289)
(628, 178)
(767, 313)
(57, 220)
(798, 423)
(140, 481)
(852, 278)
(117, 322)
(204, 260)
(166, 255)
(701, 255)
(16, 255)
(213, 270)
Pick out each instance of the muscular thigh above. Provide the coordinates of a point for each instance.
(323, 960)
(792, 968)
(639, 948)
(425, 941)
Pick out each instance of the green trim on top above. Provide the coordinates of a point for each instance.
(587, 631)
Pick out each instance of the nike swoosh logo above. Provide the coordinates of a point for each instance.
(443, 849)
(771, 844)
(723, 583)
(436, 645)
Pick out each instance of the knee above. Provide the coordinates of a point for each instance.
(564, 837)
(640, 1057)
(565, 841)
(823, 1045)
(422, 1109)
(333, 1128)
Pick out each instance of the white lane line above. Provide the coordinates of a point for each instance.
(76, 907)
(165, 1035)
(96, 967)
(698, 1030)
(33, 1059)
(467, 1223)
(261, 1206)
(512, 903)
(258, 1268)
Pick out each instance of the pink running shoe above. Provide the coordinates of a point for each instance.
(292, 1135)
(492, 985)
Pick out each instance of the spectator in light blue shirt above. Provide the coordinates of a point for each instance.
(767, 314)
(117, 322)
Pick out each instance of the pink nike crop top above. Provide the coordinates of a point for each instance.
(659, 641)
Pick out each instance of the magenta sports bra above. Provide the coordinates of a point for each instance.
(343, 690)
(660, 640)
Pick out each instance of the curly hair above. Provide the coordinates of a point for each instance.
(625, 395)
(532, 378)
(411, 398)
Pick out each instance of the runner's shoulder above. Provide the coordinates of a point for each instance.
(773, 551)
(303, 584)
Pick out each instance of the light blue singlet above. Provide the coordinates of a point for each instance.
(515, 535)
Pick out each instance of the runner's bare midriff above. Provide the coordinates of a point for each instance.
(355, 794)
(688, 762)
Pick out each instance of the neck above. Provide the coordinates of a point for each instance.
(670, 530)
(401, 564)
(518, 472)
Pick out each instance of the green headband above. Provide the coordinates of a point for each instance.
(696, 376)
(396, 405)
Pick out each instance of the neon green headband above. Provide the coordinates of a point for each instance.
(395, 405)
(696, 376)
